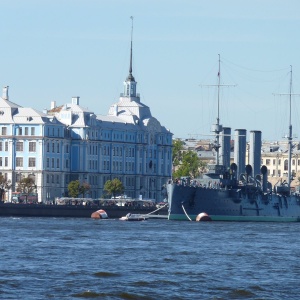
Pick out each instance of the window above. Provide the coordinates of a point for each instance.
(57, 163)
(26, 130)
(53, 147)
(293, 162)
(67, 148)
(4, 131)
(32, 131)
(67, 163)
(19, 146)
(1, 147)
(286, 165)
(48, 162)
(267, 162)
(32, 146)
(20, 131)
(48, 147)
(0, 161)
(52, 163)
(31, 162)
(18, 177)
(19, 161)
(6, 146)
(57, 148)
(6, 161)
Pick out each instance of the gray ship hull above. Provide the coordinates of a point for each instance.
(237, 204)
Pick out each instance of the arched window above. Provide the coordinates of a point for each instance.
(285, 165)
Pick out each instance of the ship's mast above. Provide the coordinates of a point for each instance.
(290, 137)
(219, 81)
(217, 128)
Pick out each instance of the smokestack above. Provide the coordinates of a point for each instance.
(255, 151)
(225, 147)
(240, 150)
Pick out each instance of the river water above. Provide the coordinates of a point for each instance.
(65, 258)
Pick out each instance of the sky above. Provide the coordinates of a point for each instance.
(54, 50)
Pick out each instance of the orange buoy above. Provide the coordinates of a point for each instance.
(99, 214)
(203, 217)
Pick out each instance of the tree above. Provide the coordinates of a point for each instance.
(2, 185)
(114, 187)
(74, 188)
(177, 152)
(190, 166)
(85, 187)
(26, 185)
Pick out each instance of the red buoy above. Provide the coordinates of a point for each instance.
(203, 217)
(99, 214)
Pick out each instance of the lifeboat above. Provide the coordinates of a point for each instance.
(99, 214)
(134, 217)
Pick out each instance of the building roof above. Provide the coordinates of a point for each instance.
(13, 113)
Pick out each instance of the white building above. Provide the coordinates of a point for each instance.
(69, 142)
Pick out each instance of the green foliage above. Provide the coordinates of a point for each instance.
(2, 180)
(84, 188)
(114, 187)
(4, 184)
(191, 165)
(177, 152)
(26, 185)
(75, 188)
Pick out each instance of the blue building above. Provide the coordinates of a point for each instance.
(69, 142)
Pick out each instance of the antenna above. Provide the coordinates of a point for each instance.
(217, 128)
(290, 137)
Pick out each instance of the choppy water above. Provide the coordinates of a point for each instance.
(48, 258)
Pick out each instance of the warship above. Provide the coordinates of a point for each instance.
(235, 191)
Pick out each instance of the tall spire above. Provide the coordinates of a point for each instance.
(130, 77)
(130, 83)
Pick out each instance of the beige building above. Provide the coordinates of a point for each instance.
(275, 157)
